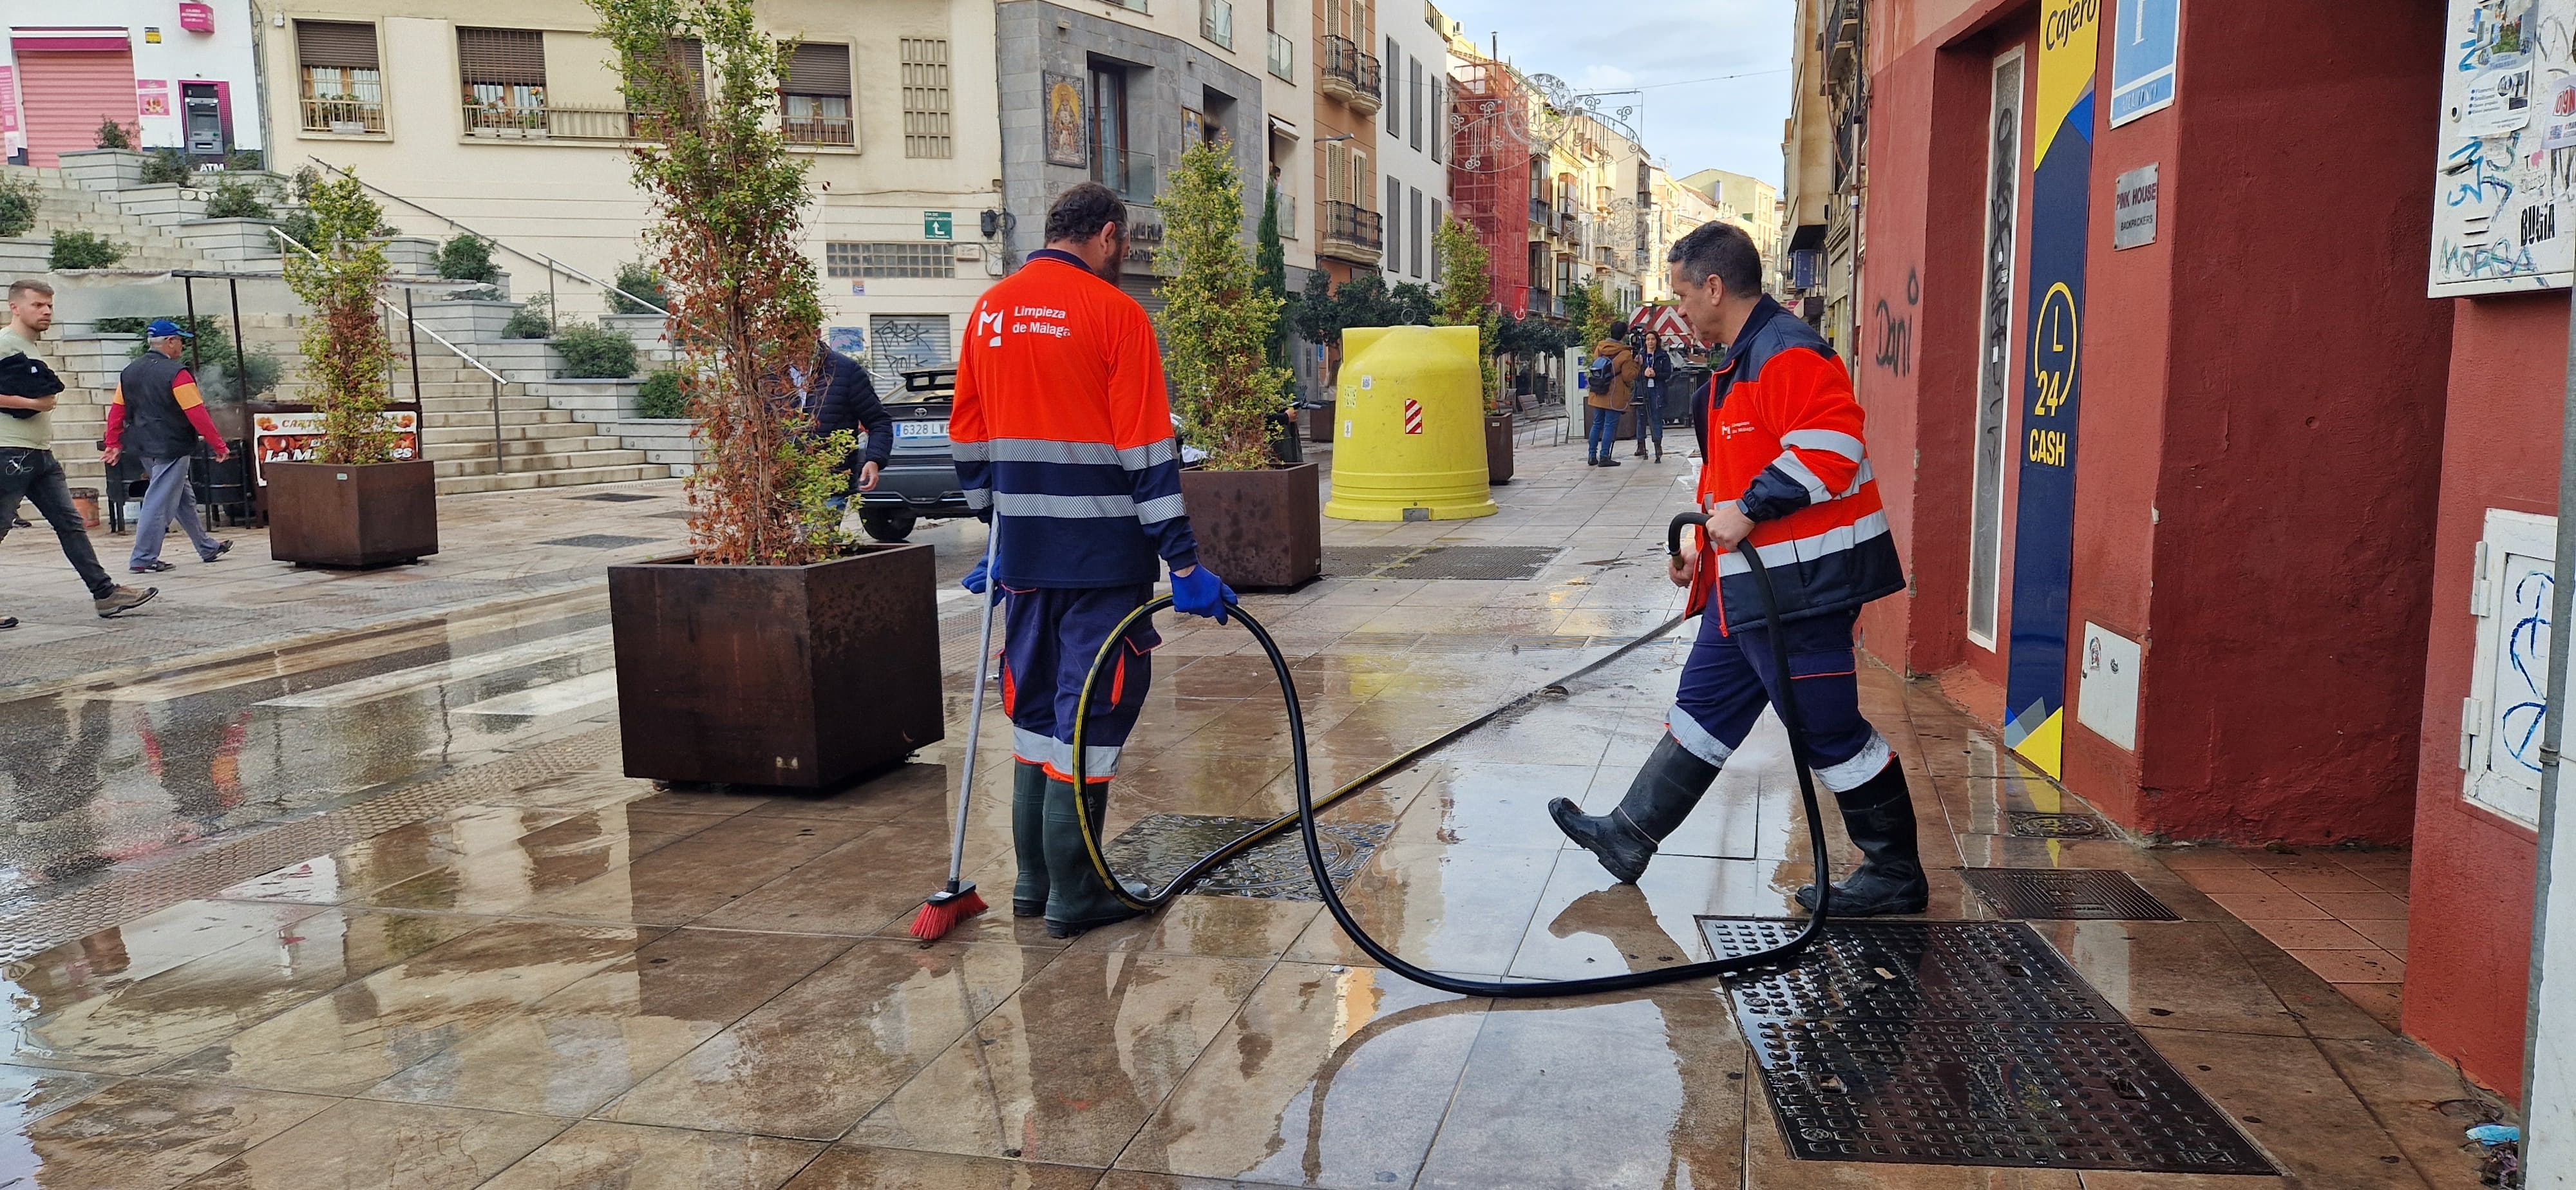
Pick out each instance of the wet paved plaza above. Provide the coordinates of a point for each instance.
(382, 911)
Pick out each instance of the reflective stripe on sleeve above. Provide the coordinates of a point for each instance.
(1833, 440)
(1808, 549)
(1790, 465)
(1160, 509)
(979, 499)
(970, 452)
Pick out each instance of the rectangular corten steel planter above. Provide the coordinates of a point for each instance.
(1498, 448)
(328, 514)
(801, 676)
(1257, 528)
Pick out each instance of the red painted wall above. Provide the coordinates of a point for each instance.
(2468, 949)
(2304, 411)
(2266, 380)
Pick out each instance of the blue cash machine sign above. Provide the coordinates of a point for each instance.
(2044, 518)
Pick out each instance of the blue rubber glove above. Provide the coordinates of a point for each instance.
(977, 580)
(1201, 593)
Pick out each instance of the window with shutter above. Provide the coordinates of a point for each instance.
(1394, 226)
(503, 72)
(1333, 18)
(1412, 230)
(1435, 225)
(1414, 93)
(343, 87)
(1337, 173)
(925, 98)
(814, 98)
(1359, 177)
(1394, 98)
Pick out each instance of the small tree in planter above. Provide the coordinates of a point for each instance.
(1466, 299)
(353, 504)
(778, 653)
(1217, 323)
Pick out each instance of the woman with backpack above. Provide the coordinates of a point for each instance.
(1607, 384)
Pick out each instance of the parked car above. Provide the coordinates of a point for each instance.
(919, 480)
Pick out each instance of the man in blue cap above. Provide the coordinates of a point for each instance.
(159, 415)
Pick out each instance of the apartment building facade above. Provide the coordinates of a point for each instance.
(895, 111)
(1747, 202)
(1412, 153)
(178, 76)
(1350, 89)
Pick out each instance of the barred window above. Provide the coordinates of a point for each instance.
(895, 259)
(925, 98)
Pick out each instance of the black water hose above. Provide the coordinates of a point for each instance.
(1307, 807)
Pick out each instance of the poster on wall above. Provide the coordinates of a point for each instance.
(2507, 145)
(294, 437)
(1065, 144)
(2143, 47)
(152, 97)
(2044, 516)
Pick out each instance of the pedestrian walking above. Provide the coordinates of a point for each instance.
(1606, 382)
(1784, 467)
(841, 396)
(1062, 433)
(28, 469)
(1654, 380)
(160, 416)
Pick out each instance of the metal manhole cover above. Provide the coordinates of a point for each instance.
(1159, 847)
(2067, 894)
(600, 541)
(1360, 561)
(2034, 824)
(616, 497)
(1962, 1043)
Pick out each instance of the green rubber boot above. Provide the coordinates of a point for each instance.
(1076, 899)
(1028, 838)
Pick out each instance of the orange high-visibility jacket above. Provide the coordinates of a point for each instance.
(1063, 431)
(1781, 434)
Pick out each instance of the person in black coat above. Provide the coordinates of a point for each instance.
(841, 397)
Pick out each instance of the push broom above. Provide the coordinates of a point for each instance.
(958, 900)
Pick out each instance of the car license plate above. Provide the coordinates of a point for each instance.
(921, 429)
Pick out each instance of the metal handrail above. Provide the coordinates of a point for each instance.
(552, 265)
(412, 327)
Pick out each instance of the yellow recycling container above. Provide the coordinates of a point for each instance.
(1409, 443)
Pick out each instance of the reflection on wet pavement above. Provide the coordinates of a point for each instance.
(570, 978)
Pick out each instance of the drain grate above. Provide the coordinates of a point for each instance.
(1508, 563)
(2067, 894)
(616, 497)
(1963, 1043)
(1159, 847)
(600, 541)
(2035, 824)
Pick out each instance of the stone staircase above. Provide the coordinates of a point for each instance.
(540, 446)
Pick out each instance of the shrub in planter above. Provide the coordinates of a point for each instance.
(467, 258)
(245, 159)
(235, 199)
(662, 396)
(353, 505)
(1258, 525)
(83, 250)
(533, 320)
(638, 277)
(18, 199)
(166, 167)
(594, 352)
(112, 135)
(777, 652)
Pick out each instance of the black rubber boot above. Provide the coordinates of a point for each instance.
(1028, 838)
(1667, 786)
(1076, 899)
(1879, 814)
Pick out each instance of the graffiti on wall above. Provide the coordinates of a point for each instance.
(2507, 147)
(1994, 361)
(2522, 688)
(1894, 331)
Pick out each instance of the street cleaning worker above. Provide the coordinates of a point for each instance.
(1062, 432)
(1786, 468)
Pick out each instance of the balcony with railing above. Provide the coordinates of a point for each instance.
(1352, 76)
(1352, 233)
(345, 115)
(1283, 57)
(819, 130)
(506, 120)
(1131, 175)
(1216, 21)
(555, 121)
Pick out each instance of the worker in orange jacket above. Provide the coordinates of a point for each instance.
(1787, 470)
(1062, 433)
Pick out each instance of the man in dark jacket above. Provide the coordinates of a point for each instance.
(841, 397)
(158, 415)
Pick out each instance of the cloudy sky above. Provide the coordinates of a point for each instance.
(1730, 125)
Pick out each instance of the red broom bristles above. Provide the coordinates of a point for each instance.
(943, 911)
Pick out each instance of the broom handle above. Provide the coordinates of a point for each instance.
(975, 716)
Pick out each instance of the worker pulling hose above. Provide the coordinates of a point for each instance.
(1135, 897)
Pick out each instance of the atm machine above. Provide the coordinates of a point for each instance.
(201, 112)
